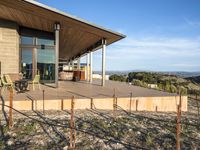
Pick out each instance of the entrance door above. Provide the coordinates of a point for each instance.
(46, 65)
(27, 63)
(37, 55)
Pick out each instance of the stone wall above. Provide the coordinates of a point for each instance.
(9, 47)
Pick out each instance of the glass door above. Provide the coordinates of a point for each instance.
(37, 55)
(27, 63)
(46, 65)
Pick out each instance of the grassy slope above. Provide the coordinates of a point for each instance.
(194, 79)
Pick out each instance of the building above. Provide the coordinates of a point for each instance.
(99, 76)
(35, 37)
(153, 86)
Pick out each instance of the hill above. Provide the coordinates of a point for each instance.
(195, 80)
(167, 82)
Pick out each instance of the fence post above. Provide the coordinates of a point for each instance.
(62, 104)
(197, 101)
(178, 123)
(0, 95)
(36, 104)
(136, 105)
(10, 122)
(131, 96)
(91, 103)
(43, 100)
(114, 104)
(156, 108)
(72, 126)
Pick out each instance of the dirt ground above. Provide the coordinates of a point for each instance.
(100, 130)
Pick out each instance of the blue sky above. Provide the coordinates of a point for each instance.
(162, 35)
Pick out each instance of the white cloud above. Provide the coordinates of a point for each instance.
(155, 53)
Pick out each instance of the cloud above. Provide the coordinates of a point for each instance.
(152, 53)
(155, 53)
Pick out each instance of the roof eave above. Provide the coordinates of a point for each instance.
(74, 17)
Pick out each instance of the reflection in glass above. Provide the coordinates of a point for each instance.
(46, 64)
(26, 40)
(47, 42)
(26, 63)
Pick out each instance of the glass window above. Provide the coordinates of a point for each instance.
(27, 40)
(47, 42)
(46, 64)
(26, 63)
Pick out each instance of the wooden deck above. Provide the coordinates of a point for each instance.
(102, 97)
(82, 89)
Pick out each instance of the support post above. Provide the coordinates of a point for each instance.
(87, 69)
(79, 63)
(72, 65)
(91, 66)
(35, 70)
(68, 65)
(57, 32)
(103, 62)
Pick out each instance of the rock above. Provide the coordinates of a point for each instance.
(65, 148)
(13, 134)
(10, 142)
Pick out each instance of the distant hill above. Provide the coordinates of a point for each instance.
(182, 74)
(165, 81)
(194, 79)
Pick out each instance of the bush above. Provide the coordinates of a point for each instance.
(183, 90)
(173, 89)
(139, 83)
(116, 77)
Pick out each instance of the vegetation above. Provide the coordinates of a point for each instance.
(165, 82)
(115, 77)
(194, 79)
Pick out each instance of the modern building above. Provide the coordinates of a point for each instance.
(35, 37)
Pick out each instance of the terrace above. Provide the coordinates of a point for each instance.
(128, 97)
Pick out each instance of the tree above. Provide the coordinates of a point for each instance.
(116, 77)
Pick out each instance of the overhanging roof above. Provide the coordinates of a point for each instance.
(77, 36)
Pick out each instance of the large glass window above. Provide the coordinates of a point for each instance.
(37, 54)
(46, 64)
(47, 42)
(27, 40)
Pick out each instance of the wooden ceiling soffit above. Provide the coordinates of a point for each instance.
(32, 9)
